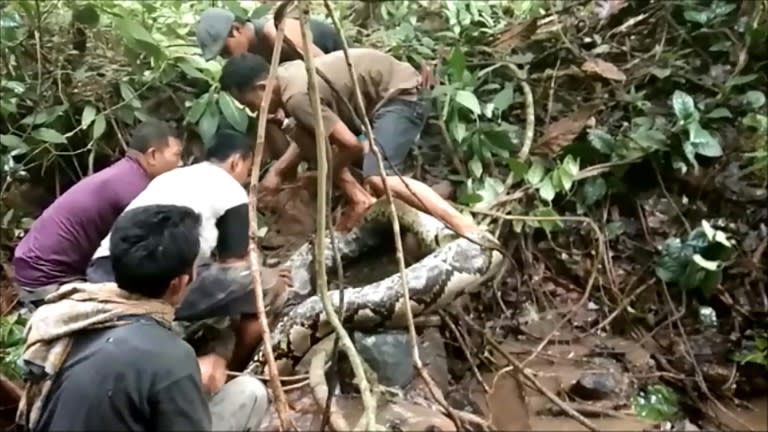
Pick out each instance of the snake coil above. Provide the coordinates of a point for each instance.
(454, 267)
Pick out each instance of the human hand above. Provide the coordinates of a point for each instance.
(364, 141)
(277, 117)
(213, 372)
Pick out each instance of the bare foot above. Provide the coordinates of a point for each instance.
(352, 215)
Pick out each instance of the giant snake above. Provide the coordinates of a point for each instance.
(454, 266)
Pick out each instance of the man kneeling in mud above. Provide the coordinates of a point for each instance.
(222, 294)
(104, 356)
(393, 98)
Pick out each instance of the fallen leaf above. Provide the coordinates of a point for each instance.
(606, 8)
(516, 35)
(604, 69)
(562, 132)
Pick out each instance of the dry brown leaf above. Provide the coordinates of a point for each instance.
(606, 8)
(516, 35)
(562, 132)
(604, 69)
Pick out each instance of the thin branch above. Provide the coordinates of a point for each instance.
(281, 405)
(368, 419)
(395, 222)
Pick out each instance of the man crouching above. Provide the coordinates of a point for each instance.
(104, 356)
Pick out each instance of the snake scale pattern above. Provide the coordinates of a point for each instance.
(453, 267)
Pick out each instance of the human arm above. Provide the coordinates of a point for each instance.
(300, 108)
(293, 33)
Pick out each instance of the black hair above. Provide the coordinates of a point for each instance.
(240, 71)
(152, 245)
(151, 133)
(229, 142)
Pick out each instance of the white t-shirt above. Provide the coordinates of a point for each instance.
(204, 187)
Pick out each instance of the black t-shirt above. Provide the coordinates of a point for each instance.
(139, 377)
(324, 36)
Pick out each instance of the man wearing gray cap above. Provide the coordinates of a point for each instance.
(221, 33)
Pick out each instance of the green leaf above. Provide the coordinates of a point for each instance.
(44, 116)
(518, 167)
(546, 189)
(741, 79)
(700, 17)
(594, 189)
(535, 174)
(468, 100)
(754, 99)
(566, 178)
(703, 142)
(232, 113)
(649, 139)
(13, 142)
(196, 109)
(685, 108)
(186, 66)
(208, 124)
(719, 113)
(757, 121)
(705, 263)
(457, 64)
(475, 167)
(49, 135)
(458, 130)
(86, 15)
(571, 165)
(134, 30)
(547, 225)
(504, 98)
(129, 96)
(99, 125)
(600, 140)
(89, 113)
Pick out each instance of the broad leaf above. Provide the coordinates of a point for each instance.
(208, 124)
(600, 140)
(89, 113)
(703, 142)
(546, 189)
(99, 126)
(685, 108)
(49, 135)
(129, 96)
(535, 174)
(468, 100)
(13, 142)
(504, 98)
(232, 113)
(475, 167)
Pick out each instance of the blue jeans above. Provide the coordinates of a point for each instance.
(396, 126)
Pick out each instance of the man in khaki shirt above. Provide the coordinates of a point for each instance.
(391, 94)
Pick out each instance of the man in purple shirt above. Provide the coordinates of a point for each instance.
(60, 243)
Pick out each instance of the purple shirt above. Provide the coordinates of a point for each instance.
(62, 240)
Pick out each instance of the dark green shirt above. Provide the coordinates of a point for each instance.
(139, 377)
(324, 37)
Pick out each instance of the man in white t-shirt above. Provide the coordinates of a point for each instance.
(223, 284)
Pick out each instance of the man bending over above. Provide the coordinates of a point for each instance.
(223, 287)
(103, 356)
(394, 101)
(220, 32)
(62, 240)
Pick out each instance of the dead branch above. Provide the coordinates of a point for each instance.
(368, 419)
(395, 223)
(518, 367)
(281, 404)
